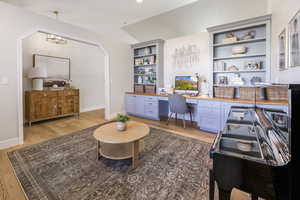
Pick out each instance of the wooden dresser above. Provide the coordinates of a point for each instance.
(42, 105)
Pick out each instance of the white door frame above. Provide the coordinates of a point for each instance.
(20, 74)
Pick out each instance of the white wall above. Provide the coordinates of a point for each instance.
(201, 40)
(14, 24)
(87, 67)
(195, 18)
(282, 13)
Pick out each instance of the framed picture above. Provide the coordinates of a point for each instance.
(294, 41)
(282, 43)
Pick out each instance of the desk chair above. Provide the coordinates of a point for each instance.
(178, 105)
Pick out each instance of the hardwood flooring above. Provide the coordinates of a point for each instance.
(42, 131)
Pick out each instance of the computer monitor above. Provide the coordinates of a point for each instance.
(186, 83)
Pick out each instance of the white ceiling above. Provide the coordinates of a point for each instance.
(102, 16)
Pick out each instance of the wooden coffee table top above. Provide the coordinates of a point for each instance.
(109, 134)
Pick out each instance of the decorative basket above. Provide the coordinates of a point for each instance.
(150, 88)
(277, 93)
(138, 88)
(249, 93)
(224, 92)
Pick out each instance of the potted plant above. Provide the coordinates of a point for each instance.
(121, 122)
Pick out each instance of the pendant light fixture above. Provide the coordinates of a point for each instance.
(139, 1)
(55, 38)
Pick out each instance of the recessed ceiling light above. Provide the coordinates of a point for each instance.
(139, 1)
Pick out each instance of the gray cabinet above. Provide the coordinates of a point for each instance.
(142, 106)
(209, 115)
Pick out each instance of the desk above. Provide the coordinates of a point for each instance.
(209, 113)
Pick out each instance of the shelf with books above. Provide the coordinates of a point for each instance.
(240, 42)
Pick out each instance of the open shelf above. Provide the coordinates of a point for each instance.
(241, 71)
(146, 55)
(148, 65)
(240, 42)
(238, 57)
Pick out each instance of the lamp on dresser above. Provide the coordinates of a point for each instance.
(37, 74)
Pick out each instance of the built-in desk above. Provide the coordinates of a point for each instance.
(210, 113)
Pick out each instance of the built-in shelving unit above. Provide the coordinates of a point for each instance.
(148, 63)
(231, 68)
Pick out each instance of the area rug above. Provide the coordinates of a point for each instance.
(66, 168)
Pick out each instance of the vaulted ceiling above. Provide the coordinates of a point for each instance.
(102, 16)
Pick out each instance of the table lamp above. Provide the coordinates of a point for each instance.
(37, 74)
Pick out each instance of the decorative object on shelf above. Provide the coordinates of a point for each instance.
(152, 60)
(294, 41)
(253, 65)
(255, 79)
(230, 37)
(239, 50)
(37, 74)
(223, 80)
(220, 66)
(233, 68)
(162, 91)
(249, 35)
(147, 51)
(140, 80)
(282, 51)
(186, 57)
(236, 79)
(55, 38)
(121, 122)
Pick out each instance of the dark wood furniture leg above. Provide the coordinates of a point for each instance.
(224, 194)
(191, 117)
(211, 185)
(254, 197)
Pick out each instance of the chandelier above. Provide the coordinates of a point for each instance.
(56, 39)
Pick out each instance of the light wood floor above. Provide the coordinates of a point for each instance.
(39, 132)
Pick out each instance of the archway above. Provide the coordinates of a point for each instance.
(20, 72)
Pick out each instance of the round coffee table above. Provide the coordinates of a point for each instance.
(117, 145)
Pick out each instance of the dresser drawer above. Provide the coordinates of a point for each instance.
(70, 92)
(209, 104)
(151, 113)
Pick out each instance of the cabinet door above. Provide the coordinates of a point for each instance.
(68, 106)
(45, 106)
(140, 105)
(209, 115)
(130, 104)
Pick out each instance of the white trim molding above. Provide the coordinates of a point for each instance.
(9, 143)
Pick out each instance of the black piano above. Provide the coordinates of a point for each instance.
(255, 151)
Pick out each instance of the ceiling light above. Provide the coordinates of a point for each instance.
(139, 1)
(55, 38)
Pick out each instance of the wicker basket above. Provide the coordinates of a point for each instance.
(249, 93)
(138, 88)
(224, 92)
(277, 93)
(150, 88)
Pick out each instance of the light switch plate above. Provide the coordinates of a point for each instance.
(3, 80)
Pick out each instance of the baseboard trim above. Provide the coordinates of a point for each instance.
(91, 108)
(9, 143)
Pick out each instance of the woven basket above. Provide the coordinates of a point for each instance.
(278, 93)
(249, 93)
(224, 92)
(138, 88)
(150, 88)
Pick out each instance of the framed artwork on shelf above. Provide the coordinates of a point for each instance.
(294, 41)
(282, 44)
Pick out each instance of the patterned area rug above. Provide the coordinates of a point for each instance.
(66, 168)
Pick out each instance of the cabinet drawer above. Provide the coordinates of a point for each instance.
(37, 94)
(151, 98)
(151, 113)
(209, 104)
(192, 101)
(151, 105)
